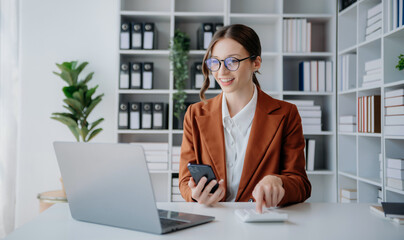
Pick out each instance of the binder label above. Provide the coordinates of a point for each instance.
(123, 119)
(134, 120)
(207, 37)
(199, 80)
(158, 120)
(147, 80)
(135, 80)
(148, 40)
(136, 40)
(146, 120)
(124, 40)
(124, 83)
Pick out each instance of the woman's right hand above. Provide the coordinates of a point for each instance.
(206, 197)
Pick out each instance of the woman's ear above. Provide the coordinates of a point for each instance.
(257, 63)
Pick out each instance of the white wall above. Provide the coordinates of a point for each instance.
(56, 31)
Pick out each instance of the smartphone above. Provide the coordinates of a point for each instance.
(201, 170)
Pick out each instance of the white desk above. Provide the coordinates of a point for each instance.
(306, 221)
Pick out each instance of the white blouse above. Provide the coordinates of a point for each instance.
(236, 133)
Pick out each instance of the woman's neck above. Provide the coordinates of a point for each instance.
(236, 101)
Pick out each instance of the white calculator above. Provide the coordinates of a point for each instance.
(250, 215)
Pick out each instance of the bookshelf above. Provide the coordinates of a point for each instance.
(278, 78)
(358, 153)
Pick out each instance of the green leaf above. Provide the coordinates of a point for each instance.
(68, 91)
(84, 132)
(69, 115)
(73, 65)
(71, 110)
(79, 96)
(65, 120)
(95, 123)
(75, 104)
(93, 134)
(93, 104)
(75, 131)
(87, 79)
(81, 67)
(90, 93)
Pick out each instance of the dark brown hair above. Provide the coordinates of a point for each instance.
(242, 34)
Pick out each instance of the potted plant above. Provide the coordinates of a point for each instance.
(179, 50)
(400, 65)
(79, 102)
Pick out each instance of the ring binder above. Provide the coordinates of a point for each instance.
(159, 116)
(197, 78)
(218, 26)
(136, 75)
(125, 36)
(147, 117)
(149, 36)
(124, 76)
(204, 35)
(137, 36)
(147, 80)
(123, 116)
(134, 116)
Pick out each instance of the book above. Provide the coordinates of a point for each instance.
(175, 166)
(394, 130)
(394, 93)
(374, 10)
(311, 154)
(374, 71)
(395, 183)
(396, 110)
(395, 163)
(321, 76)
(309, 108)
(373, 77)
(374, 34)
(346, 200)
(306, 77)
(328, 76)
(311, 128)
(347, 127)
(308, 35)
(301, 102)
(304, 113)
(312, 121)
(174, 182)
(176, 150)
(393, 209)
(176, 190)
(394, 120)
(374, 19)
(395, 173)
(375, 26)
(349, 119)
(349, 193)
(314, 76)
(394, 101)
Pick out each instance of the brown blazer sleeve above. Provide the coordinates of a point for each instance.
(187, 156)
(293, 174)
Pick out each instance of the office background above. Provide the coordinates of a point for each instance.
(56, 31)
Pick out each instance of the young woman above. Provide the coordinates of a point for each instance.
(254, 143)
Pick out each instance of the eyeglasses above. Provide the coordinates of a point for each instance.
(231, 63)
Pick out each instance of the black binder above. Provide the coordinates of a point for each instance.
(134, 115)
(125, 36)
(178, 123)
(218, 26)
(205, 34)
(147, 79)
(149, 36)
(197, 78)
(136, 75)
(137, 36)
(147, 116)
(124, 79)
(123, 116)
(159, 116)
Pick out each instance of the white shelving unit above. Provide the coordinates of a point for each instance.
(358, 153)
(279, 71)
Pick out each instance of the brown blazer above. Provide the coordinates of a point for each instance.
(275, 147)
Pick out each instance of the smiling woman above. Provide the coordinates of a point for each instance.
(253, 143)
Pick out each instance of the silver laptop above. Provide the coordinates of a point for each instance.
(109, 183)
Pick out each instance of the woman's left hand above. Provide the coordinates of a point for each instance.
(268, 192)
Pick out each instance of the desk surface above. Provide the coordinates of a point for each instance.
(306, 221)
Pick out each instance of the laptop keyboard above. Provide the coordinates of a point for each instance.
(170, 222)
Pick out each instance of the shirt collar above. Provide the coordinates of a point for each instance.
(242, 119)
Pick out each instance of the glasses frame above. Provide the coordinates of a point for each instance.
(224, 61)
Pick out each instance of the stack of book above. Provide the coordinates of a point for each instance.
(309, 153)
(396, 11)
(373, 73)
(347, 72)
(394, 119)
(369, 114)
(315, 76)
(310, 115)
(296, 35)
(347, 123)
(395, 173)
(176, 194)
(156, 155)
(348, 195)
(374, 22)
(379, 211)
(175, 158)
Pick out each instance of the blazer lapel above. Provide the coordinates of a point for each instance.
(211, 130)
(263, 129)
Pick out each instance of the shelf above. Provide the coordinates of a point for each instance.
(310, 17)
(196, 91)
(143, 91)
(394, 84)
(197, 52)
(394, 137)
(362, 89)
(395, 190)
(369, 41)
(348, 50)
(177, 131)
(347, 133)
(369, 134)
(140, 131)
(347, 9)
(299, 93)
(145, 52)
(307, 54)
(198, 14)
(146, 13)
(396, 32)
(347, 91)
(323, 133)
(320, 172)
(348, 175)
(159, 171)
(255, 15)
(374, 182)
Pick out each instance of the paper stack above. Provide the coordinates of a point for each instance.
(374, 22)
(373, 73)
(175, 194)
(315, 76)
(175, 158)
(394, 118)
(347, 123)
(395, 173)
(310, 115)
(296, 35)
(347, 72)
(348, 195)
(156, 155)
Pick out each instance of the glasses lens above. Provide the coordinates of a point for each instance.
(213, 64)
(232, 63)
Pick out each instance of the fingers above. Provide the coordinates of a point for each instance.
(258, 194)
(196, 191)
(203, 199)
(217, 195)
(191, 183)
